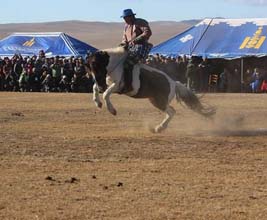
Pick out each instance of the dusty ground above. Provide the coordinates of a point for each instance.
(61, 158)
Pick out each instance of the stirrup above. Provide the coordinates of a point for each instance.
(125, 90)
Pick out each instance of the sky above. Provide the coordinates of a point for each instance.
(31, 11)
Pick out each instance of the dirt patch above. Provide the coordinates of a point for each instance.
(61, 158)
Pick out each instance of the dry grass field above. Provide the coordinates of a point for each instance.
(61, 158)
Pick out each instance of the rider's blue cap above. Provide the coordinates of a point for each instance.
(127, 12)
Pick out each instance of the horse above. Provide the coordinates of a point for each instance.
(106, 67)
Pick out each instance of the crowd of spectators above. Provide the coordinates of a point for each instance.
(215, 75)
(60, 74)
(197, 73)
(43, 74)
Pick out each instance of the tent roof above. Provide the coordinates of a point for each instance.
(53, 44)
(219, 38)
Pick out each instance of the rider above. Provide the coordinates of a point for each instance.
(135, 37)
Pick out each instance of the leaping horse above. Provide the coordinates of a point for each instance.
(106, 67)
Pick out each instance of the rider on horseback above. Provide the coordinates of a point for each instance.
(135, 38)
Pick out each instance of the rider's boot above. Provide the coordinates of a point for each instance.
(128, 75)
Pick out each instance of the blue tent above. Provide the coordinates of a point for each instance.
(219, 38)
(53, 44)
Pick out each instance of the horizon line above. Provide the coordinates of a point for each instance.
(40, 22)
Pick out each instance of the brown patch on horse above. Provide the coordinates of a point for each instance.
(155, 86)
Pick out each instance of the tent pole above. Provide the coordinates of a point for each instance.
(242, 74)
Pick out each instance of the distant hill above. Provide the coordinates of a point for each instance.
(191, 22)
(98, 34)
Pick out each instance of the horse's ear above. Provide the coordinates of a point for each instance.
(89, 60)
(87, 68)
(89, 57)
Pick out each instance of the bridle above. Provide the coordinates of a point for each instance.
(115, 67)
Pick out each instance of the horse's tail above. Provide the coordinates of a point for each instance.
(192, 101)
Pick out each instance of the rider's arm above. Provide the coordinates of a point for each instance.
(124, 37)
(145, 29)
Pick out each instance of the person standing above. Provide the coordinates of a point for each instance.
(191, 71)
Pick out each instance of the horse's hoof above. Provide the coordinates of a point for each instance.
(113, 112)
(152, 130)
(158, 129)
(99, 105)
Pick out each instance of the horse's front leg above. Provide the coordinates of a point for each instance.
(106, 97)
(96, 97)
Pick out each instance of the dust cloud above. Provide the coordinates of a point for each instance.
(222, 124)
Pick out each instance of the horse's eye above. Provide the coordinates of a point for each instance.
(94, 65)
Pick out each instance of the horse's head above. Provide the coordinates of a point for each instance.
(97, 65)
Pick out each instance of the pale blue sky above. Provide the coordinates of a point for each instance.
(20, 11)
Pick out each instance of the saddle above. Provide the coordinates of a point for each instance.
(137, 53)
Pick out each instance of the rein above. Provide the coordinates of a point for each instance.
(115, 67)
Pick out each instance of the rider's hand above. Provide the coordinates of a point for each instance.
(124, 45)
(137, 40)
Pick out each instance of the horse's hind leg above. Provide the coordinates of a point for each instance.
(164, 124)
(165, 107)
